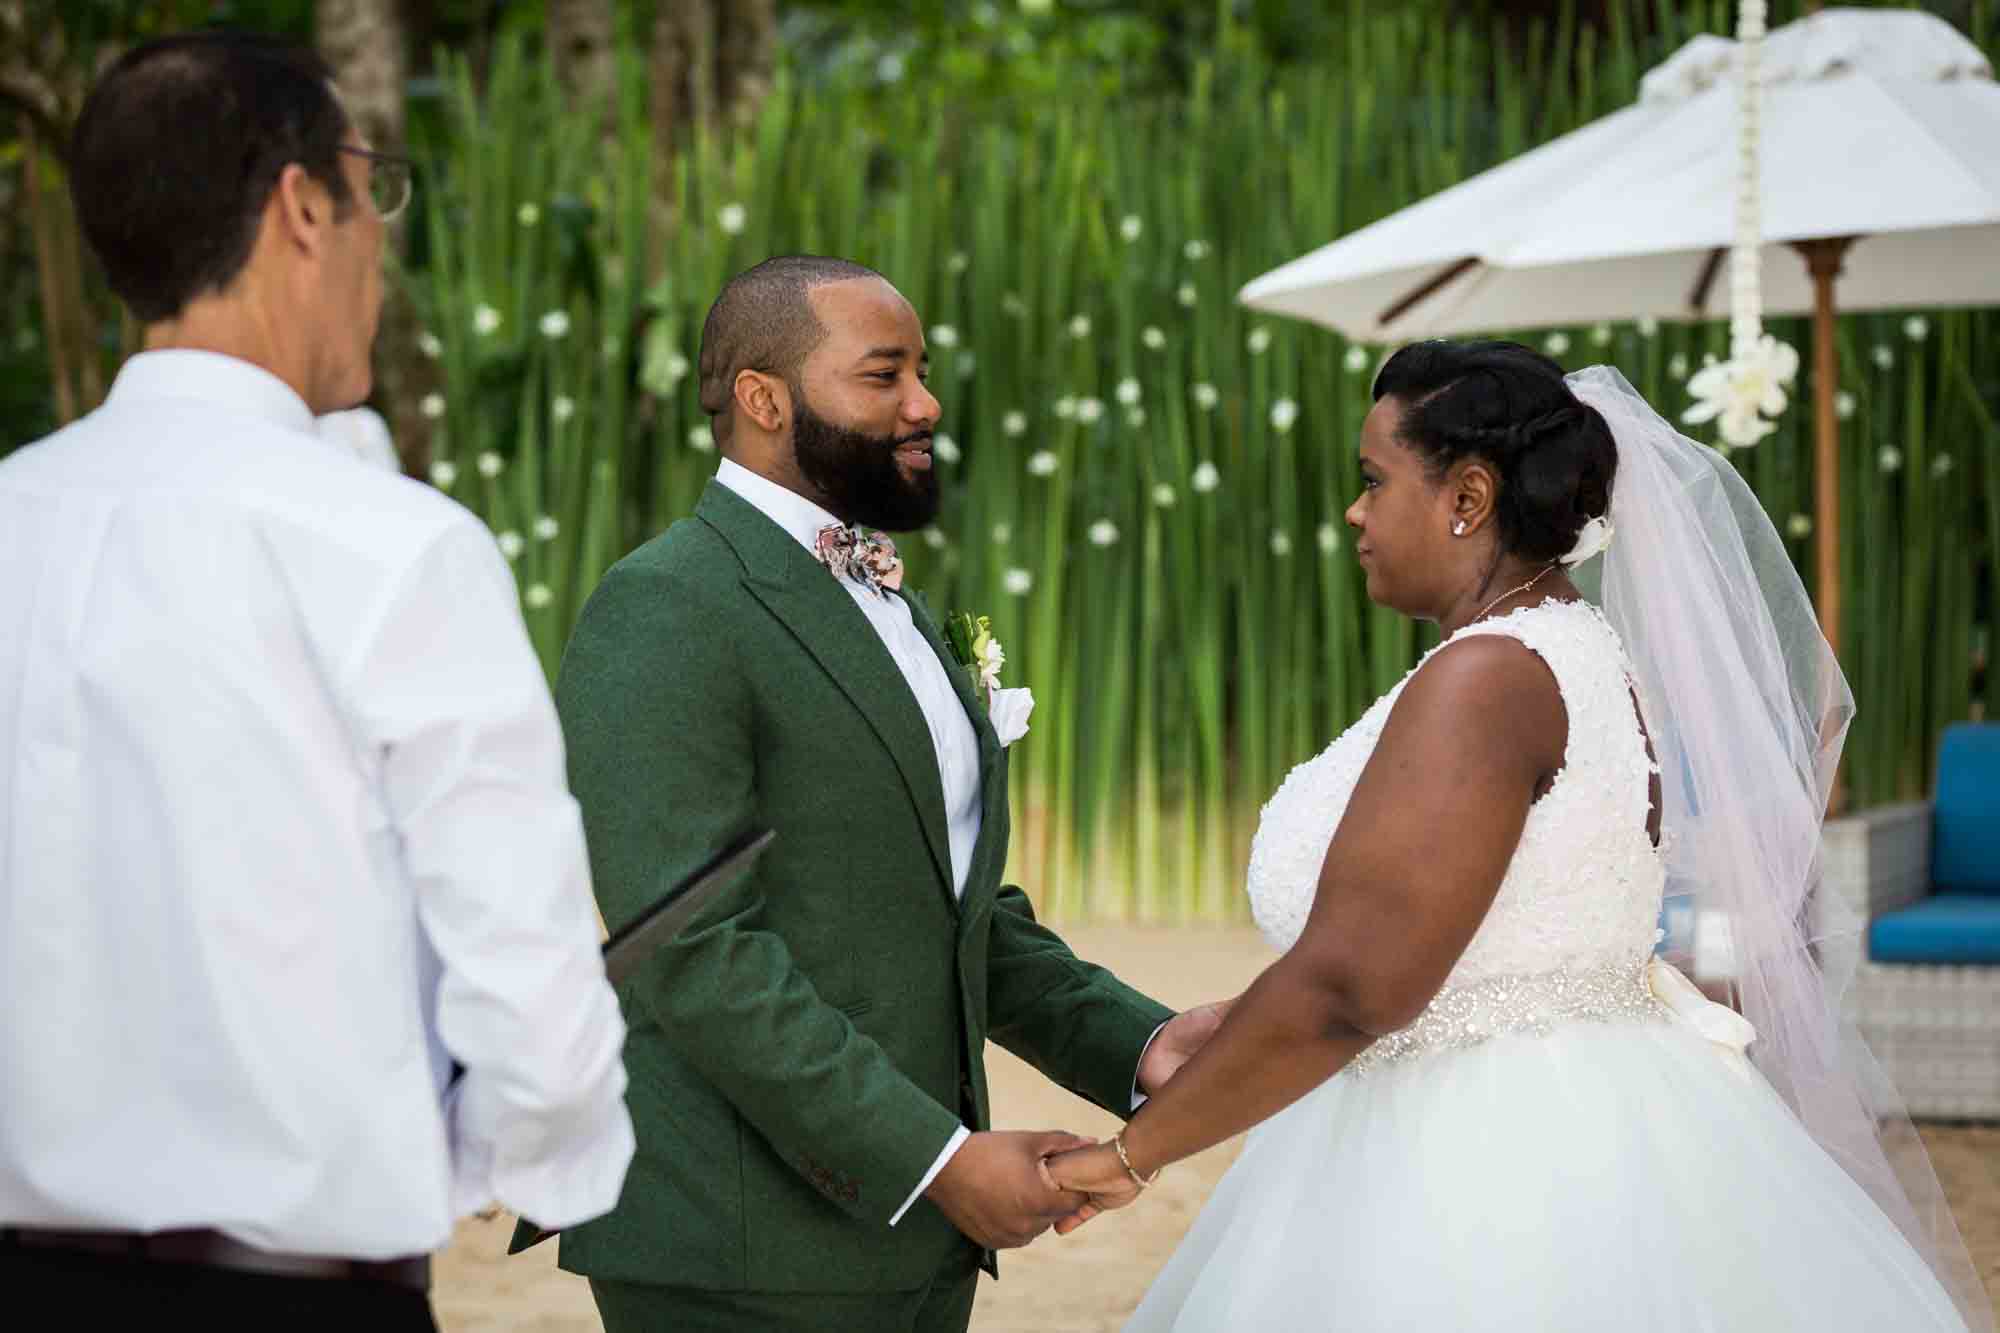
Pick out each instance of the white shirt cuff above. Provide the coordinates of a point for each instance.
(1138, 1097)
(958, 1137)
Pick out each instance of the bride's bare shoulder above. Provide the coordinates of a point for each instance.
(1494, 682)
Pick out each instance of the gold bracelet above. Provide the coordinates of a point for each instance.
(1118, 1142)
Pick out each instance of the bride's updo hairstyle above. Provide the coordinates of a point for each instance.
(1508, 406)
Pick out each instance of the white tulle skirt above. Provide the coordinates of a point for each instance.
(1607, 1176)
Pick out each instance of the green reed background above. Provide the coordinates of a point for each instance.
(1144, 482)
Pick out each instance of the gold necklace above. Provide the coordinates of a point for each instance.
(1510, 592)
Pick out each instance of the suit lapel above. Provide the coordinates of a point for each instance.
(822, 616)
(992, 765)
(961, 681)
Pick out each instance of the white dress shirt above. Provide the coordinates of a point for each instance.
(283, 832)
(362, 430)
(951, 730)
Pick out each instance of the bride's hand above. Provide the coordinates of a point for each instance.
(1095, 1171)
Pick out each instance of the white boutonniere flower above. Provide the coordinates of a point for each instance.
(972, 643)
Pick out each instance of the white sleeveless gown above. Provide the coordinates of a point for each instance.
(1546, 1149)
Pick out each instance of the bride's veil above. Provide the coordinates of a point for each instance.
(1748, 708)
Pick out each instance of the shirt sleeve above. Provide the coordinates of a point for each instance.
(1138, 1097)
(951, 1147)
(457, 715)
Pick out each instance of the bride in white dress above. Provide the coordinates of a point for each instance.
(1483, 1103)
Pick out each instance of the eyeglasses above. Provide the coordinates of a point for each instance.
(389, 180)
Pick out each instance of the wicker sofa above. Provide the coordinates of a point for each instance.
(1926, 878)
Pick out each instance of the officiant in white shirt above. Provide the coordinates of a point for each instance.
(284, 832)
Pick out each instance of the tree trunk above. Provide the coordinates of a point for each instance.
(710, 64)
(709, 60)
(366, 43)
(583, 37)
(44, 79)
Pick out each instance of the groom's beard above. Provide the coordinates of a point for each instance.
(858, 475)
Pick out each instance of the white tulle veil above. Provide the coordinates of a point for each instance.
(1748, 709)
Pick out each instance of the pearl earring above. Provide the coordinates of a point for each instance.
(1458, 528)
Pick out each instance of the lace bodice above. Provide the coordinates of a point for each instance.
(1581, 897)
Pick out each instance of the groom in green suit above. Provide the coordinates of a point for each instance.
(806, 1067)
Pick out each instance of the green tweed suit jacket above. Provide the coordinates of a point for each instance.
(802, 1053)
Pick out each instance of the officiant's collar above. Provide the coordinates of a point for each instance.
(788, 509)
(226, 382)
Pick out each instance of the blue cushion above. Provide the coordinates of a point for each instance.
(1965, 829)
(1961, 928)
(1965, 851)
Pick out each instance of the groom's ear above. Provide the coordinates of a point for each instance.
(763, 399)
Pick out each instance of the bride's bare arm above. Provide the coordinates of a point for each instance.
(1422, 848)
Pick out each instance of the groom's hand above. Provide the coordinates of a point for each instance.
(993, 1189)
(1177, 1042)
(1096, 1172)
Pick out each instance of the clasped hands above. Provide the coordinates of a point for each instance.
(1004, 1188)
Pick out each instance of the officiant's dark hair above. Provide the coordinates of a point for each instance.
(1509, 406)
(178, 148)
(764, 321)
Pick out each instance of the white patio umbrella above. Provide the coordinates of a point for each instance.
(1880, 166)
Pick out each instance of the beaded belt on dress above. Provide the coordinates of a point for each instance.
(1468, 1014)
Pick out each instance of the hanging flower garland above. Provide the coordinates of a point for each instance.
(1745, 393)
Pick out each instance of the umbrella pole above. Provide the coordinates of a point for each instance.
(1823, 262)
(1823, 259)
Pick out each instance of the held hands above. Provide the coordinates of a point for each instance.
(1098, 1171)
(1095, 1172)
(1004, 1188)
(995, 1191)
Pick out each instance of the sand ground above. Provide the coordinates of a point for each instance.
(1088, 1282)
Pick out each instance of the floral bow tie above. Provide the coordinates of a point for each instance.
(869, 558)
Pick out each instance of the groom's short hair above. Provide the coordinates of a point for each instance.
(764, 321)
